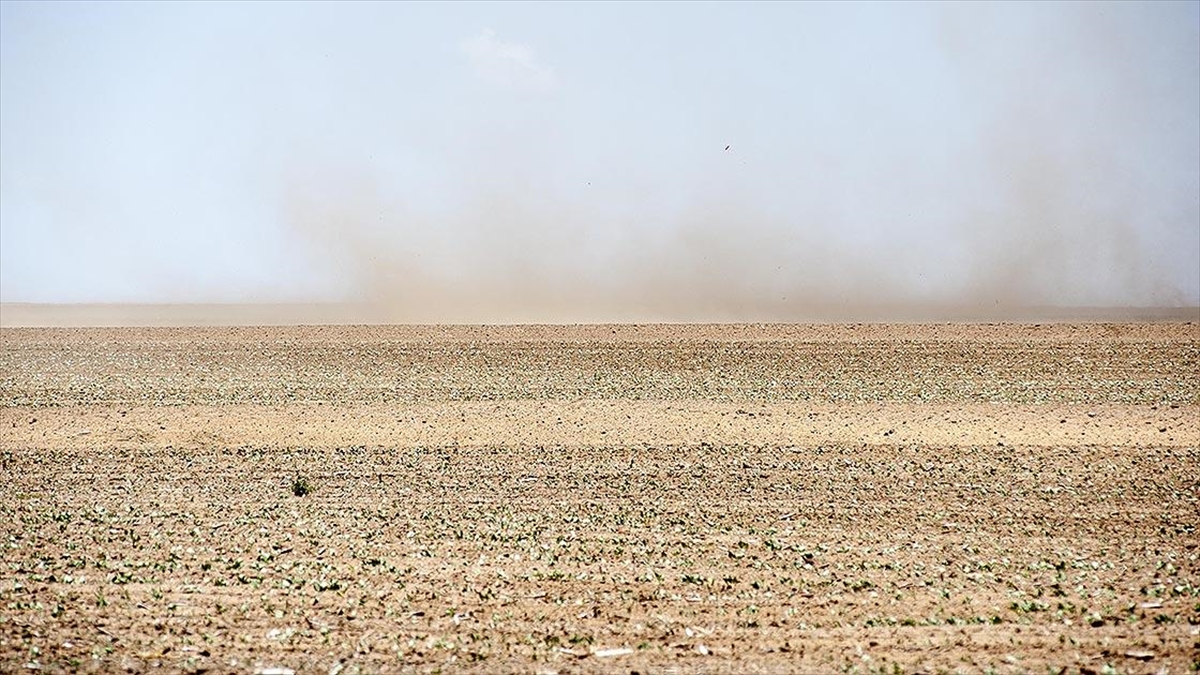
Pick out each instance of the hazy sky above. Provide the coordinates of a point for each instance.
(484, 161)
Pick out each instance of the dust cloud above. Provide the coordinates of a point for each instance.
(512, 260)
(1057, 197)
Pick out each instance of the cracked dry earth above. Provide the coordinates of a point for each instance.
(862, 498)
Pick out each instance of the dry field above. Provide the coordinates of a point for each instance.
(861, 498)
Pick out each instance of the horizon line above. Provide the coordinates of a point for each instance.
(231, 314)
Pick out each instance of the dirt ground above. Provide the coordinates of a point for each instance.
(867, 498)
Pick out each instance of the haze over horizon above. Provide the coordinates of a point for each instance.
(564, 162)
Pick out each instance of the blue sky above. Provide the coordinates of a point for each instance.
(555, 159)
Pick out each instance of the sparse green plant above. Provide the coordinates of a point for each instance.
(301, 486)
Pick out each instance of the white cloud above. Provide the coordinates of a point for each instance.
(506, 64)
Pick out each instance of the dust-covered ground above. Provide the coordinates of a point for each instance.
(655, 498)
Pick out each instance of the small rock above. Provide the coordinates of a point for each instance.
(1140, 656)
(609, 653)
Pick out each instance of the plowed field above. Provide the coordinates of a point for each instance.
(668, 498)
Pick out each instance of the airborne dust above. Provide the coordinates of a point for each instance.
(1057, 190)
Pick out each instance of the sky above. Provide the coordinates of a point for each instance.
(606, 161)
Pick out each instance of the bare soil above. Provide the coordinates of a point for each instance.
(649, 498)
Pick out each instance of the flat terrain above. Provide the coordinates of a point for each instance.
(654, 498)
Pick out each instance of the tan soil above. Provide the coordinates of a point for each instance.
(741, 498)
